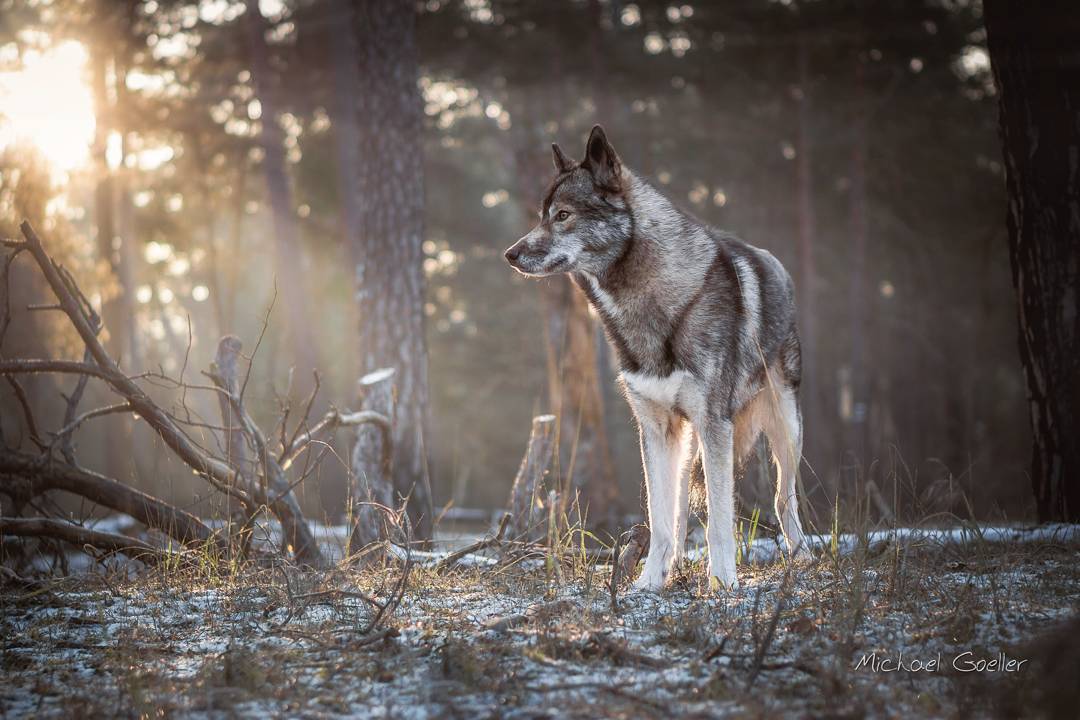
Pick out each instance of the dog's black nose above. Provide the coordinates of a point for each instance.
(513, 253)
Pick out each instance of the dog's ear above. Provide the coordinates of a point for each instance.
(602, 161)
(562, 163)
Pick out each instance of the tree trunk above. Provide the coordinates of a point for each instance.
(387, 250)
(811, 388)
(1038, 83)
(856, 425)
(287, 254)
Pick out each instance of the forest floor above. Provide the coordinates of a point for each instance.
(544, 638)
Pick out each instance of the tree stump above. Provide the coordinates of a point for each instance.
(530, 479)
(370, 462)
(226, 365)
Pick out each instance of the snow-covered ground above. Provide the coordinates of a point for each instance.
(542, 638)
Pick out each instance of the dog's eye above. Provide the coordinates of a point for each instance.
(561, 216)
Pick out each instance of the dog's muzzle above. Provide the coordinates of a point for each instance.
(513, 253)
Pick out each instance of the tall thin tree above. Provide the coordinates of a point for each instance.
(1034, 60)
(387, 251)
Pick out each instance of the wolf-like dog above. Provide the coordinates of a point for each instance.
(703, 325)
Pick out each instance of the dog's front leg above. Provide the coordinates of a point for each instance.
(717, 438)
(687, 459)
(660, 449)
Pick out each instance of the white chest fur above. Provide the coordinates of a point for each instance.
(680, 392)
(662, 391)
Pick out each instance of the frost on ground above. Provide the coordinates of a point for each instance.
(543, 638)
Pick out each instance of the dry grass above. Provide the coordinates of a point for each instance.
(508, 641)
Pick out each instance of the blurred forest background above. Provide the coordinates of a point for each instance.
(362, 166)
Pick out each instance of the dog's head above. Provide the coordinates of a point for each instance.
(584, 221)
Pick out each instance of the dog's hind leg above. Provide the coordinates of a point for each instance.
(661, 448)
(784, 430)
(718, 441)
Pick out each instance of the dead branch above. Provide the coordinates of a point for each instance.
(74, 305)
(63, 437)
(35, 366)
(67, 447)
(333, 420)
(28, 413)
(275, 492)
(81, 536)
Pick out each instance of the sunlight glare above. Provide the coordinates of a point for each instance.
(47, 103)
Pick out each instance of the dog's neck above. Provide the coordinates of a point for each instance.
(642, 293)
(662, 237)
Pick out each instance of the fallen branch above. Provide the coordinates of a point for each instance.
(37, 366)
(39, 476)
(82, 537)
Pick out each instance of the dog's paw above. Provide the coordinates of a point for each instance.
(801, 553)
(723, 578)
(650, 580)
(717, 584)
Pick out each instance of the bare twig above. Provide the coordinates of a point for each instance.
(477, 546)
(63, 436)
(28, 413)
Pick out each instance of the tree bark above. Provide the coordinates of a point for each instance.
(386, 252)
(118, 312)
(275, 490)
(1032, 51)
(237, 456)
(856, 424)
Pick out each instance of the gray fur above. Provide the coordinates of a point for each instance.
(703, 325)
